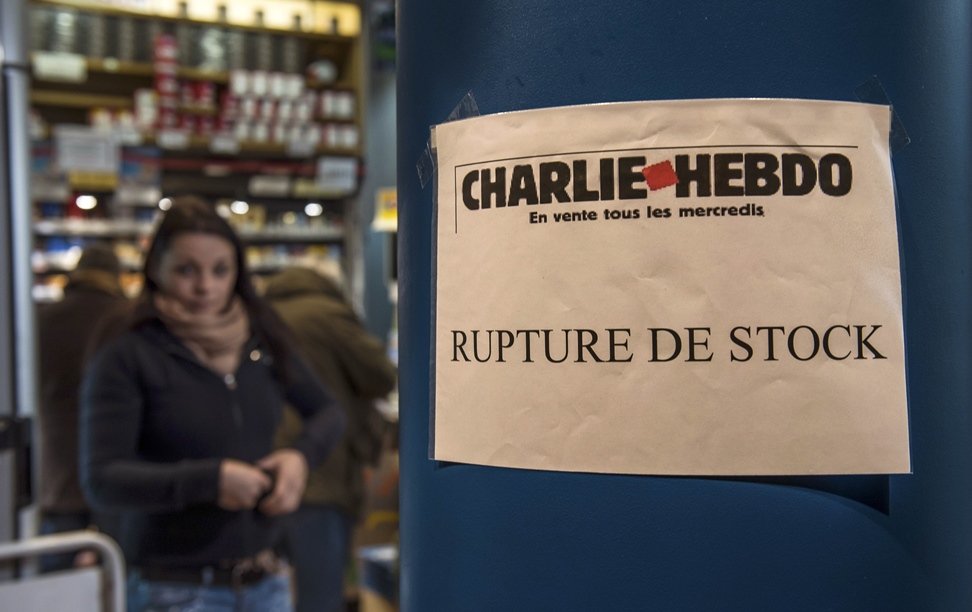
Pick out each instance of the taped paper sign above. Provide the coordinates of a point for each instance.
(705, 287)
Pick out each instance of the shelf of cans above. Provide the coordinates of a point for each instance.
(125, 22)
(256, 106)
(203, 81)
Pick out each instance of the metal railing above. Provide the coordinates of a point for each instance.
(111, 558)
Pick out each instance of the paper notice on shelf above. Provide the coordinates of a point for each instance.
(146, 6)
(59, 66)
(225, 144)
(173, 139)
(705, 287)
(269, 185)
(337, 175)
(300, 147)
(84, 149)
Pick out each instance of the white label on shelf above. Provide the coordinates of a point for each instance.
(46, 188)
(57, 66)
(129, 137)
(224, 143)
(300, 147)
(173, 139)
(269, 185)
(85, 149)
(137, 195)
(134, 5)
(337, 175)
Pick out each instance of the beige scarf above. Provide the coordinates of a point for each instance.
(215, 339)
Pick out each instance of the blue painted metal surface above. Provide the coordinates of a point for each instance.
(486, 539)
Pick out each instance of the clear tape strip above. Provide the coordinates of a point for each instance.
(873, 92)
(425, 166)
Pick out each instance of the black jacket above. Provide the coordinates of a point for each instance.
(155, 425)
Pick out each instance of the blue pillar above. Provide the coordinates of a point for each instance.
(487, 539)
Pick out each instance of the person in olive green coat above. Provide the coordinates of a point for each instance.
(354, 367)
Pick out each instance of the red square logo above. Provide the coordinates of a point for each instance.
(660, 175)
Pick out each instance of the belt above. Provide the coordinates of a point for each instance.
(235, 573)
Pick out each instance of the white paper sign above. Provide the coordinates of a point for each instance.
(85, 149)
(59, 66)
(337, 175)
(705, 287)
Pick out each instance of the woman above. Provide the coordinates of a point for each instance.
(177, 420)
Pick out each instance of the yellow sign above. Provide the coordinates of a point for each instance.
(92, 181)
(386, 210)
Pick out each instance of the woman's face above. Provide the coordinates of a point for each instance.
(199, 270)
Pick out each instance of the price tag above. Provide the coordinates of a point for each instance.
(129, 137)
(80, 148)
(67, 67)
(269, 185)
(224, 143)
(173, 139)
(300, 148)
(338, 175)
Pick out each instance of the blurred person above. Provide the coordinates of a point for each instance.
(354, 366)
(178, 414)
(65, 331)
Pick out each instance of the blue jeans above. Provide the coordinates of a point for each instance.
(272, 594)
(318, 542)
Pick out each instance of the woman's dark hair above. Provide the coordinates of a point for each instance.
(193, 214)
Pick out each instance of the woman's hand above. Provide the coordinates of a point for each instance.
(241, 485)
(289, 468)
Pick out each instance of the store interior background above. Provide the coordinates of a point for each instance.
(222, 150)
(83, 82)
(578, 539)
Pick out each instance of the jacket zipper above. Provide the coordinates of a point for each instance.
(230, 381)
